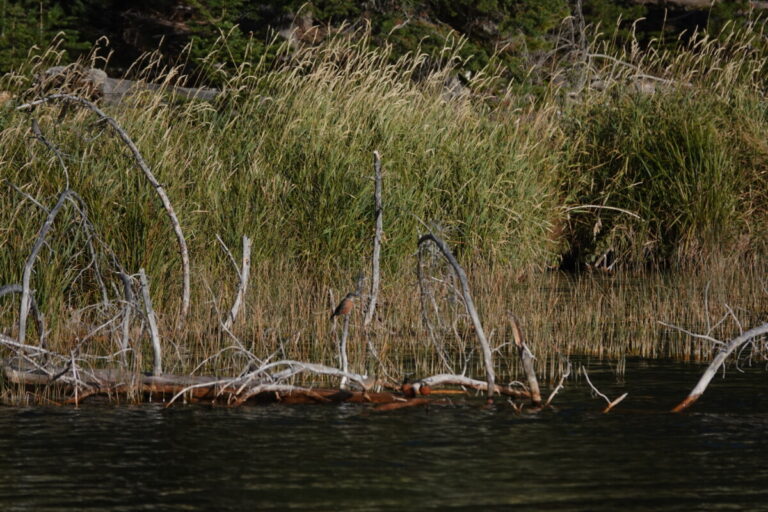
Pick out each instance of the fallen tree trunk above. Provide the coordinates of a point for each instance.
(118, 382)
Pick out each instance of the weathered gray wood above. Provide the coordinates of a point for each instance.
(559, 385)
(39, 317)
(717, 362)
(154, 334)
(611, 403)
(30, 263)
(130, 302)
(343, 360)
(446, 379)
(377, 237)
(245, 271)
(470, 305)
(527, 359)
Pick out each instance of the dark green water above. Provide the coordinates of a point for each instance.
(463, 457)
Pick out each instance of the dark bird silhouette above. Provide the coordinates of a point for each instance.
(345, 306)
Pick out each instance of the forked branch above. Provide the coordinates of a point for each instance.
(717, 362)
(611, 403)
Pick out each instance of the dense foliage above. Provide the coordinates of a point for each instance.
(514, 32)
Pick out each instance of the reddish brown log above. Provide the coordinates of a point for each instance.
(414, 402)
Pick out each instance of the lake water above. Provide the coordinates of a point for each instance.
(459, 457)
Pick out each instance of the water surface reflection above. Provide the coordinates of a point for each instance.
(445, 458)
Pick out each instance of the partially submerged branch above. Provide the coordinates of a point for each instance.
(611, 403)
(526, 356)
(559, 385)
(445, 379)
(717, 362)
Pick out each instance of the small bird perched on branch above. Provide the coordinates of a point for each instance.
(346, 305)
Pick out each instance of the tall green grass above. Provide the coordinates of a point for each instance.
(687, 160)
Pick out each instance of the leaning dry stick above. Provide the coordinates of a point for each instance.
(719, 359)
(27, 273)
(375, 271)
(147, 172)
(157, 362)
(559, 385)
(127, 310)
(470, 305)
(611, 404)
(245, 270)
(39, 318)
(343, 361)
(527, 358)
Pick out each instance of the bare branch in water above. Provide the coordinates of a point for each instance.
(611, 403)
(718, 361)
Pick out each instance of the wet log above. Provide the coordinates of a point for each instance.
(118, 382)
(446, 379)
(413, 402)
